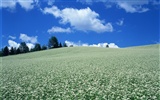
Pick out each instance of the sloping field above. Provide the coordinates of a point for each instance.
(84, 73)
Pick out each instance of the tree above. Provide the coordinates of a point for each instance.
(15, 50)
(60, 45)
(37, 47)
(11, 51)
(18, 51)
(5, 51)
(107, 46)
(1, 53)
(44, 47)
(32, 50)
(64, 45)
(23, 47)
(53, 42)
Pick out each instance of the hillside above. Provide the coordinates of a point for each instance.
(82, 73)
(152, 46)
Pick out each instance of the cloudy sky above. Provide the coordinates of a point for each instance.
(119, 23)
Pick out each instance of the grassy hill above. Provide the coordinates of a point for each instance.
(151, 46)
(82, 73)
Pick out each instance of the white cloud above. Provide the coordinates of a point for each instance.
(99, 45)
(111, 45)
(85, 45)
(53, 10)
(12, 37)
(11, 4)
(16, 45)
(26, 38)
(13, 44)
(8, 4)
(27, 5)
(50, 2)
(59, 30)
(70, 43)
(30, 45)
(30, 41)
(120, 22)
(130, 6)
(80, 19)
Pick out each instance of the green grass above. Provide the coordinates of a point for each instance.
(82, 73)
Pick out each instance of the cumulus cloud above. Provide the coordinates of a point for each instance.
(70, 43)
(80, 19)
(26, 4)
(12, 37)
(26, 38)
(13, 44)
(16, 45)
(8, 4)
(99, 45)
(59, 30)
(113, 45)
(30, 41)
(30, 45)
(53, 10)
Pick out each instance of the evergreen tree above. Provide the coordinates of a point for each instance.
(18, 51)
(53, 42)
(1, 54)
(37, 47)
(15, 50)
(5, 51)
(44, 47)
(60, 45)
(64, 45)
(32, 50)
(107, 46)
(11, 52)
(23, 47)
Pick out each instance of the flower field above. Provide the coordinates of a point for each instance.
(82, 73)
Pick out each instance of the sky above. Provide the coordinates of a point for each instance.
(118, 23)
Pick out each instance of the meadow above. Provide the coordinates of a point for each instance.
(82, 73)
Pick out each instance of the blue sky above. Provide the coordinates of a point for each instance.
(119, 23)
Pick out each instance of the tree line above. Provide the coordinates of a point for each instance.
(23, 48)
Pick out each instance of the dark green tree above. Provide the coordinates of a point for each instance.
(5, 51)
(32, 50)
(23, 47)
(15, 50)
(107, 46)
(11, 51)
(18, 51)
(60, 45)
(44, 47)
(64, 45)
(53, 42)
(37, 47)
(1, 53)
